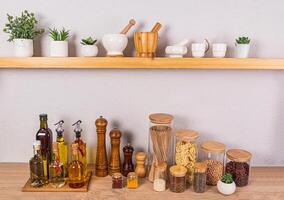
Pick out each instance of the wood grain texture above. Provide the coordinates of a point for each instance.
(267, 183)
(141, 63)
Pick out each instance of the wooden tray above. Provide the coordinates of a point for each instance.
(48, 188)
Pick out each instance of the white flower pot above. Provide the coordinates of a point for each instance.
(242, 50)
(115, 44)
(59, 48)
(226, 189)
(89, 50)
(219, 50)
(23, 47)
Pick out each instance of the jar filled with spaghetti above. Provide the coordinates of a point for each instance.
(186, 151)
(159, 145)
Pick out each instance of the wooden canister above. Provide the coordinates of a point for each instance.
(146, 44)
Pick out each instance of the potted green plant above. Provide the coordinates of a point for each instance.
(226, 184)
(59, 42)
(242, 47)
(22, 30)
(89, 47)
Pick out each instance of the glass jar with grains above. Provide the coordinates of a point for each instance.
(177, 178)
(212, 153)
(238, 164)
(186, 151)
(199, 177)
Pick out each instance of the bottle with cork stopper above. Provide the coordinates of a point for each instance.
(115, 163)
(101, 158)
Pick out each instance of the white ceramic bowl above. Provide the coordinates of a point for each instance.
(176, 51)
(115, 44)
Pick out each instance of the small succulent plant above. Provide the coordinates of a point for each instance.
(243, 40)
(88, 41)
(59, 35)
(22, 27)
(227, 178)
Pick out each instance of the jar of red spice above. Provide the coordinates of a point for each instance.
(238, 164)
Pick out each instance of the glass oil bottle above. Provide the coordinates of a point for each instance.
(56, 169)
(62, 147)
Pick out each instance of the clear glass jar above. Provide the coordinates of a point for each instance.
(199, 177)
(186, 151)
(117, 181)
(160, 179)
(132, 180)
(238, 164)
(177, 178)
(213, 153)
(160, 143)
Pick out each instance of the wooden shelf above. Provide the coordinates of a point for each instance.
(141, 63)
(265, 183)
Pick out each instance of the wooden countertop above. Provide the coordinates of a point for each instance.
(267, 183)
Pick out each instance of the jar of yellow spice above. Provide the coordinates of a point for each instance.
(186, 151)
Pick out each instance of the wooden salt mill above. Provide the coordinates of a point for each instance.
(101, 161)
(140, 169)
(114, 163)
(127, 164)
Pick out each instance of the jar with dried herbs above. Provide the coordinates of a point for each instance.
(238, 164)
(186, 151)
(199, 177)
(160, 143)
(212, 153)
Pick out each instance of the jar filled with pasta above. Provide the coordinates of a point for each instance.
(212, 153)
(186, 151)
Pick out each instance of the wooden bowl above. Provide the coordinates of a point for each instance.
(145, 44)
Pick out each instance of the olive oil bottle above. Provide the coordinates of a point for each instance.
(62, 147)
(82, 151)
(37, 176)
(56, 169)
(76, 169)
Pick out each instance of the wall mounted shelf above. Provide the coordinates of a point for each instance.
(141, 63)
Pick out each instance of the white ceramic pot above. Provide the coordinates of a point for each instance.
(89, 50)
(176, 51)
(59, 48)
(226, 189)
(115, 44)
(219, 50)
(242, 50)
(23, 47)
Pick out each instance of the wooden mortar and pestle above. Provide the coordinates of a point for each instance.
(146, 42)
(116, 43)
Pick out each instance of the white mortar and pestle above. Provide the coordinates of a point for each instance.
(178, 50)
(116, 43)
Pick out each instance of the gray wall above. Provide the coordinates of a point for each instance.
(243, 109)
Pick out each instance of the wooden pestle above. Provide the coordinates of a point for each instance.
(114, 163)
(128, 26)
(156, 28)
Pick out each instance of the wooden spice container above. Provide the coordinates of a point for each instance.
(115, 163)
(101, 161)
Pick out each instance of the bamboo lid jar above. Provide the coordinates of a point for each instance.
(177, 178)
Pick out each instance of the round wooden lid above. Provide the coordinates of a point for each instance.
(161, 118)
(239, 155)
(200, 167)
(187, 134)
(101, 122)
(178, 170)
(213, 146)
(140, 156)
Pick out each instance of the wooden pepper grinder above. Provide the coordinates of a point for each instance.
(127, 164)
(114, 164)
(140, 169)
(101, 161)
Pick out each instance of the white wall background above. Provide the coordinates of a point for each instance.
(243, 109)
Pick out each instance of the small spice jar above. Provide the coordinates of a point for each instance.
(161, 178)
(132, 180)
(238, 164)
(212, 153)
(199, 177)
(177, 178)
(117, 181)
(186, 151)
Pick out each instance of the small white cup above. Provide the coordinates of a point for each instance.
(219, 50)
(199, 49)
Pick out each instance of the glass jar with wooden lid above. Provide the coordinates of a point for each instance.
(160, 143)
(238, 164)
(177, 178)
(186, 151)
(212, 153)
(199, 177)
